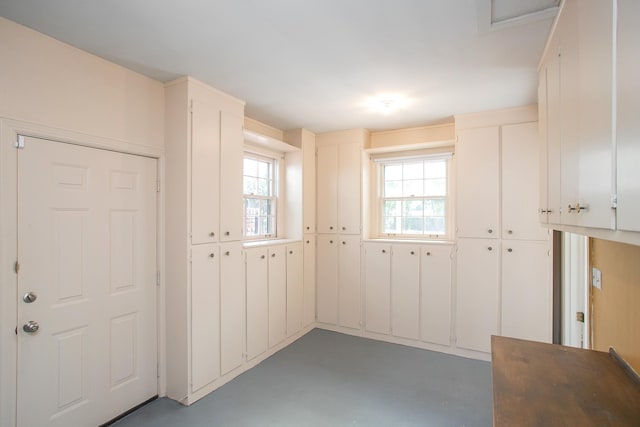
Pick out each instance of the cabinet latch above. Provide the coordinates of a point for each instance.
(614, 201)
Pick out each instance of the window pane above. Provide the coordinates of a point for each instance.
(413, 188)
(393, 189)
(250, 185)
(271, 225)
(392, 172)
(263, 170)
(250, 167)
(263, 187)
(251, 207)
(435, 187)
(412, 225)
(435, 169)
(391, 208)
(434, 207)
(266, 207)
(434, 225)
(251, 226)
(412, 208)
(412, 170)
(391, 225)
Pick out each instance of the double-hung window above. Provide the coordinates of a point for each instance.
(414, 197)
(259, 187)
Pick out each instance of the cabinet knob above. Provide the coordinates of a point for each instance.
(273, 255)
(227, 253)
(490, 248)
(212, 255)
(226, 233)
(307, 242)
(344, 243)
(331, 228)
(490, 231)
(412, 252)
(212, 234)
(509, 250)
(509, 231)
(262, 257)
(384, 251)
(307, 227)
(428, 253)
(344, 228)
(330, 241)
(290, 252)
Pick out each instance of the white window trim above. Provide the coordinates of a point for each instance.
(380, 159)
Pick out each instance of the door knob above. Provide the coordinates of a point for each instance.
(29, 297)
(31, 327)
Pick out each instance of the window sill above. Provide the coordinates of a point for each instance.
(268, 242)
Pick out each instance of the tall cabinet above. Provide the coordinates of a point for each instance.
(503, 260)
(205, 278)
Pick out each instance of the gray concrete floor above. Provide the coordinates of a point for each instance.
(331, 379)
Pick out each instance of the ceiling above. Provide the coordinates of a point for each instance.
(316, 63)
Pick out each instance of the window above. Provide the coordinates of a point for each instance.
(259, 189)
(413, 198)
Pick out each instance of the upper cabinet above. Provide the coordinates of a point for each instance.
(231, 152)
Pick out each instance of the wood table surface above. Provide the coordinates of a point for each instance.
(538, 384)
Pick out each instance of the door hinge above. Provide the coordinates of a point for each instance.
(19, 142)
(16, 267)
(158, 278)
(614, 201)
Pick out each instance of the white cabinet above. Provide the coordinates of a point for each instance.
(477, 293)
(295, 291)
(309, 185)
(327, 278)
(309, 272)
(338, 188)
(526, 295)
(277, 295)
(231, 154)
(205, 158)
(257, 285)
(205, 320)
(405, 291)
(232, 306)
(478, 174)
(520, 182)
(628, 125)
(349, 298)
(435, 295)
(377, 280)
(338, 280)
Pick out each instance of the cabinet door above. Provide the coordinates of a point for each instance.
(405, 291)
(327, 278)
(257, 276)
(477, 293)
(231, 153)
(520, 182)
(205, 317)
(309, 311)
(349, 171)
(205, 161)
(294, 288)
(554, 119)
(526, 291)
(628, 130)
(478, 165)
(327, 189)
(543, 193)
(309, 186)
(349, 298)
(232, 306)
(277, 295)
(377, 282)
(435, 284)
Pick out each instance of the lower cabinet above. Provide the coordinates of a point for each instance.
(377, 287)
(405, 291)
(477, 293)
(338, 280)
(257, 285)
(277, 295)
(309, 281)
(232, 306)
(435, 294)
(295, 290)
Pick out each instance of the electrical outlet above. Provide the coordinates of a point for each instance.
(596, 278)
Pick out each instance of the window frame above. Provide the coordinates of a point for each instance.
(379, 197)
(273, 160)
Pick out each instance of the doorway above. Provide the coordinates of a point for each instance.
(87, 286)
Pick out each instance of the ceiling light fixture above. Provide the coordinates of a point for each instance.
(387, 103)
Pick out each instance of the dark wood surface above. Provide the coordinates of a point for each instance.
(537, 384)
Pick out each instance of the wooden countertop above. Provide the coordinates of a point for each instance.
(537, 384)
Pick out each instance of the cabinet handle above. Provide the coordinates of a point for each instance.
(330, 241)
(510, 232)
(212, 255)
(226, 233)
(412, 252)
(344, 228)
(581, 208)
(227, 253)
(428, 253)
(273, 255)
(262, 257)
(384, 251)
(307, 242)
(344, 243)
(307, 227)
(331, 228)
(570, 208)
(290, 252)
(490, 248)
(509, 250)
(212, 234)
(490, 231)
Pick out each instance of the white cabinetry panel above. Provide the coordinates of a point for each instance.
(277, 295)
(526, 292)
(405, 291)
(327, 189)
(294, 288)
(327, 278)
(309, 186)
(232, 306)
(478, 174)
(231, 152)
(309, 273)
(349, 299)
(257, 276)
(477, 293)
(205, 158)
(435, 284)
(377, 279)
(205, 317)
(349, 172)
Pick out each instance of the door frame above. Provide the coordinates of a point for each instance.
(9, 131)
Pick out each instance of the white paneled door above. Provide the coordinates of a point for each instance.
(87, 283)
